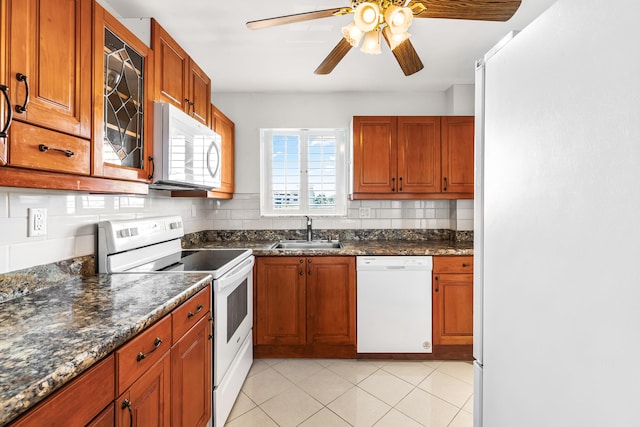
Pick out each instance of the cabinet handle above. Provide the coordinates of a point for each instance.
(400, 189)
(156, 344)
(191, 314)
(5, 92)
(437, 284)
(189, 105)
(23, 108)
(153, 168)
(126, 404)
(445, 183)
(44, 149)
(393, 184)
(464, 265)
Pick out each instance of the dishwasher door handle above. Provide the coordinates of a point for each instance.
(395, 267)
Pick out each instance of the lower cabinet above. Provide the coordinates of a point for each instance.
(161, 377)
(78, 402)
(453, 300)
(146, 402)
(305, 307)
(191, 377)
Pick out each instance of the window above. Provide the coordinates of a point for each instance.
(303, 172)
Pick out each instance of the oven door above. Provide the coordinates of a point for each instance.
(233, 312)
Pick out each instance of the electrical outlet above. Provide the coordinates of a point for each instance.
(37, 222)
(365, 212)
(194, 211)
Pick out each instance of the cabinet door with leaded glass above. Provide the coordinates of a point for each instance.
(123, 112)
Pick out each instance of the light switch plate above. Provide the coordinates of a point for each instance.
(365, 212)
(37, 222)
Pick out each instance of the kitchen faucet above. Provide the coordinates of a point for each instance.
(309, 230)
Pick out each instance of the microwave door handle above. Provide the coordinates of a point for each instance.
(236, 273)
(213, 146)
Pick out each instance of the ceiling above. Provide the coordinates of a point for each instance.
(282, 59)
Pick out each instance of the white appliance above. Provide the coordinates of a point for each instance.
(394, 304)
(186, 153)
(557, 208)
(152, 245)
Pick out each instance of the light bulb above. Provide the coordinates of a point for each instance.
(352, 34)
(371, 43)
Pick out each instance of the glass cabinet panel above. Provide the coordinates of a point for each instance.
(123, 103)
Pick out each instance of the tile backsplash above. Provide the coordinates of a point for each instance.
(72, 219)
(243, 213)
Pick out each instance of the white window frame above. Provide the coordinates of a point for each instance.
(266, 172)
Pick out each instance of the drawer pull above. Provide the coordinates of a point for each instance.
(23, 108)
(126, 404)
(44, 149)
(445, 184)
(156, 344)
(191, 314)
(466, 265)
(5, 92)
(153, 168)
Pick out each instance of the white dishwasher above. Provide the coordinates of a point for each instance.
(394, 304)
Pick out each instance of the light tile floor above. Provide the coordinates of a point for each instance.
(343, 393)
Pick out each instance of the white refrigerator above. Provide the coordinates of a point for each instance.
(557, 221)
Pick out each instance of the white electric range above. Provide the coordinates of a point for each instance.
(153, 245)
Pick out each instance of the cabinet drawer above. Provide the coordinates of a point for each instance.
(453, 264)
(76, 403)
(137, 355)
(188, 314)
(24, 150)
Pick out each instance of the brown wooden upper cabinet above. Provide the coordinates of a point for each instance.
(122, 78)
(46, 68)
(412, 157)
(178, 79)
(223, 126)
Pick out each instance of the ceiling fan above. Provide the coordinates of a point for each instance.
(375, 19)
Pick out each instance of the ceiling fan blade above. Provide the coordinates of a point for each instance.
(298, 17)
(406, 56)
(480, 10)
(335, 56)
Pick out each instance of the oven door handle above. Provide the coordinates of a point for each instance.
(235, 273)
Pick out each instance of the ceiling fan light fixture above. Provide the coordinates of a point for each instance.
(398, 19)
(367, 16)
(352, 34)
(395, 39)
(371, 42)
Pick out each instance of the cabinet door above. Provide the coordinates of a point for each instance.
(199, 94)
(374, 155)
(452, 309)
(123, 73)
(50, 48)
(222, 125)
(418, 154)
(280, 300)
(457, 154)
(191, 377)
(331, 300)
(147, 402)
(171, 68)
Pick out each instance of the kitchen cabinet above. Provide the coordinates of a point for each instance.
(122, 80)
(412, 157)
(191, 362)
(178, 78)
(147, 401)
(305, 307)
(46, 68)
(453, 300)
(78, 402)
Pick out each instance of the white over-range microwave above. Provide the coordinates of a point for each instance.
(186, 153)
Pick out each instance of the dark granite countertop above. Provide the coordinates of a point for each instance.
(360, 247)
(50, 336)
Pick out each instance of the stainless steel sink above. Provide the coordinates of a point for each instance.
(305, 244)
